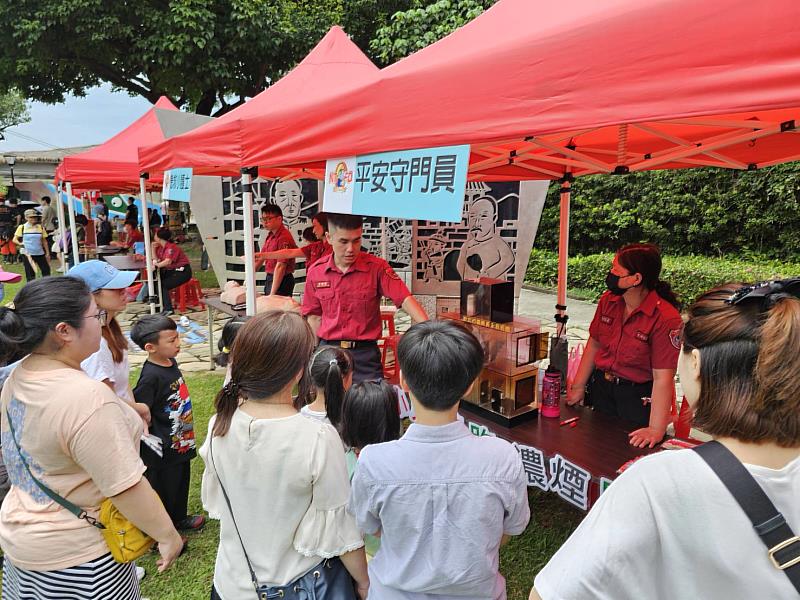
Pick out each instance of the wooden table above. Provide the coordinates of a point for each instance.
(598, 443)
(213, 303)
(108, 250)
(127, 262)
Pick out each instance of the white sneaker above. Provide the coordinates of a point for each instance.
(60, 269)
(140, 573)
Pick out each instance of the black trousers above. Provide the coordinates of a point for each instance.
(620, 399)
(170, 279)
(41, 262)
(171, 483)
(286, 288)
(366, 362)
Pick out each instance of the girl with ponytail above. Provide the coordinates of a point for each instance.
(739, 367)
(273, 474)
(331, 371)
(628, 367)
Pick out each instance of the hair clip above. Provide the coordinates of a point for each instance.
(226, 350)
(332, 362)
(767, 292)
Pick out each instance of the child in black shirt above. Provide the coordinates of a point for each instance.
(162, 388)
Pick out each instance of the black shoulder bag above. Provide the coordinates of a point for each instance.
(783, 546)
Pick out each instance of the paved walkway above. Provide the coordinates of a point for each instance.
(194, 356)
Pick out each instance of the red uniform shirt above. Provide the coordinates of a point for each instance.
(316, 250)
(650, 338)
(174, 253)
(135, 236)
(349, 303)
(280, 239)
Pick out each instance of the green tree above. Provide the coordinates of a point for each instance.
(205, 55)
(13, 110)
(421, 25)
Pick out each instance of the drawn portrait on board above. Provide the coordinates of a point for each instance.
(493, 239)
(485, 253)
(298, 200)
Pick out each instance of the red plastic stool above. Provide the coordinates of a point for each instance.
(387, 319)
(188, 294)
(391, 371)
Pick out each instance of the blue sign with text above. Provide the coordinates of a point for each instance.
(426, 184)
(177, 185)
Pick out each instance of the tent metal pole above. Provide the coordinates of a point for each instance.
(62, 228)
(148, 250)
(73, 226)
(563, 254)
(384, 240)
(249, 255)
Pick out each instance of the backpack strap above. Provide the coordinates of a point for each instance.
(783, 546)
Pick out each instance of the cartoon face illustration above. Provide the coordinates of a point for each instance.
(289, 196)
(481, 218)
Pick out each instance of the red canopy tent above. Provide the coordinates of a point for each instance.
(113, 165)
(223, 146)
(539, 88)
(558, 88)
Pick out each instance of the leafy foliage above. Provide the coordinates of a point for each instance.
(200, 53)
(693, 211)
(13, 110)
(423, 24)
(689, 276)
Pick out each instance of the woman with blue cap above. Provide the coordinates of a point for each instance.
(110, 363)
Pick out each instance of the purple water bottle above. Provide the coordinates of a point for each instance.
(551, 393)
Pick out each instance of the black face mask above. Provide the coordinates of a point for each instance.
(612, 283)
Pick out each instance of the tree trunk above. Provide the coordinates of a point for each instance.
(207, 102)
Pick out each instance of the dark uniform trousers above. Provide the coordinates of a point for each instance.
(623, 400)
(286, 288)
(366, 361)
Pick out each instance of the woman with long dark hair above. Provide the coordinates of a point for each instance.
(628, 367)
(277, 480)
(669, 527)
(63, 430)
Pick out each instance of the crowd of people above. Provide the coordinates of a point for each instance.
(311, 475)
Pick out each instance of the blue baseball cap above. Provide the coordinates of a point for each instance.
(99, 275)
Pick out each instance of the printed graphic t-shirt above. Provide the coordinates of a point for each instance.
(164, 390)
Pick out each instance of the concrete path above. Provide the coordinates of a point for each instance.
(194, 357)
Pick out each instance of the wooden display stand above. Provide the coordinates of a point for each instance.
(506, 391)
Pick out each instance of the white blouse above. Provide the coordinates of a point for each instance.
(101, 366)
(288, 486)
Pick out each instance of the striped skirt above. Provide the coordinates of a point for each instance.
(99, 579)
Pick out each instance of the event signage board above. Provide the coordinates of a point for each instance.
(177, 185)
(424, 184)
(556, 474)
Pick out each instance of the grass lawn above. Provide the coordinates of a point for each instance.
(190, 578)
(11, 289)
